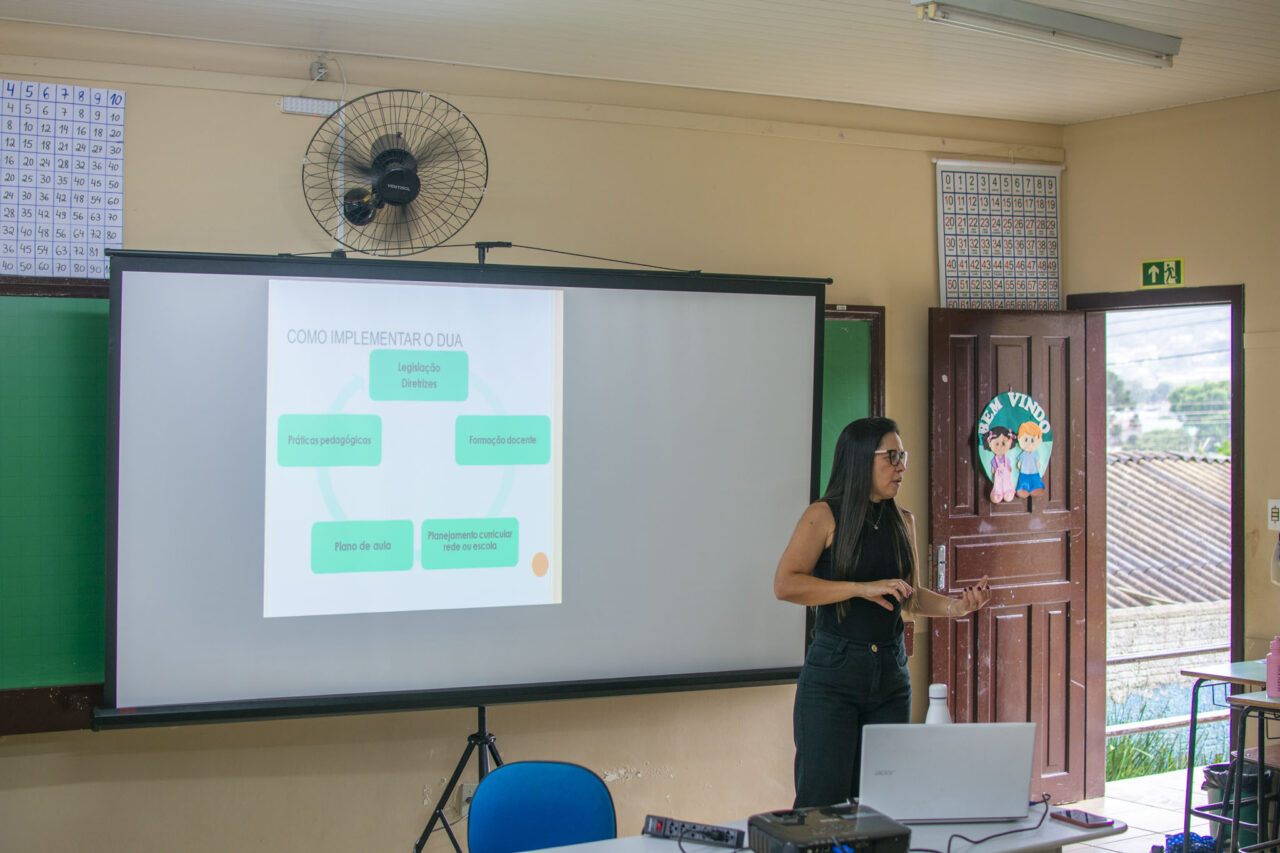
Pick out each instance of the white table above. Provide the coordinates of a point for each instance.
(1052, 835)
(1245, 673)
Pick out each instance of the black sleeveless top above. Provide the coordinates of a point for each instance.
(864, 620)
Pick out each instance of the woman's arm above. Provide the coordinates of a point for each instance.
(930, 603)
(926, 602)
(794, 581)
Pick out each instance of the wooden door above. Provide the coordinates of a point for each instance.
(1023, 658)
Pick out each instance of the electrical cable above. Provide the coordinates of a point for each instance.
(1044, 800)
(320, 74)
(574, 255)
(329, 252)
(1170, 356)
(342, 69)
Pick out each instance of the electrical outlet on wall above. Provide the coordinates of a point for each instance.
(462, 797)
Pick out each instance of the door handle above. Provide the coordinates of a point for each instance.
(940, 561)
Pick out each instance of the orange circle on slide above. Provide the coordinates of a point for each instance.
(540, 564)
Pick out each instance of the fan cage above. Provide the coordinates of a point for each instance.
(451, 164)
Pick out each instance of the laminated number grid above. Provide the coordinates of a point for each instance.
(998, 236)
(61, 178)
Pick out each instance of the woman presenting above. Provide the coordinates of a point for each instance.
(853, 556)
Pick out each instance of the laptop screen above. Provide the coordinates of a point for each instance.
(948, 773)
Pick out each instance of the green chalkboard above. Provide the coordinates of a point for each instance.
(53, 420)
(849, 374)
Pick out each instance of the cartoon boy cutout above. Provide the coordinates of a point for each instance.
(1000, 441)
(1029, 480)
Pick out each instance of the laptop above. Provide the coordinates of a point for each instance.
(958, 773)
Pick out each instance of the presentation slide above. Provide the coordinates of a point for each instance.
(413, 447)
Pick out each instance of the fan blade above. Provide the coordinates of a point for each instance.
(442, 146)
(355, 167)
(387, 236)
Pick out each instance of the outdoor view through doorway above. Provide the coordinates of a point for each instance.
(1168, 531)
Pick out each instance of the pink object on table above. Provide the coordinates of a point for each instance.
(1273, 670)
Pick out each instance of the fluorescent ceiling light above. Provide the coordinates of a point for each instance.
(1054, 27)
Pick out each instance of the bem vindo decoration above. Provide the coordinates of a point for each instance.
(1014, 443)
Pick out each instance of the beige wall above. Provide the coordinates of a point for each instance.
(723, 183)
(1200, 183)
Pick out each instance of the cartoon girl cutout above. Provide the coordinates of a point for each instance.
(1000, 441)
(1029, 479)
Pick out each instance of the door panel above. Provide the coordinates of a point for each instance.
(1023, 657)
(961, 370)
(1027, 559)
(1011, 651)
(1056, 690)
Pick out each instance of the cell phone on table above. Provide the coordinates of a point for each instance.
(1079, 817)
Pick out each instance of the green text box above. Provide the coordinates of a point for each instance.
(502, 440)
(338, 547)
(409, 374)
(470, 543)
(324, 441)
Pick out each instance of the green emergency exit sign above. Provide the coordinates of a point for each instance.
(1166, 272)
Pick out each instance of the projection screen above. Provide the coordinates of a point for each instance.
(345, 485)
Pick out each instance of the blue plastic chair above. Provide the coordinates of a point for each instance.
(529, 805)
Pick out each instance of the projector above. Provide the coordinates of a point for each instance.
(848, 828)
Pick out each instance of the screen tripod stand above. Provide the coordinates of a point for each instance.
(482, 740)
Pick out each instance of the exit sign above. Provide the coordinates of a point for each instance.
(1166, 272)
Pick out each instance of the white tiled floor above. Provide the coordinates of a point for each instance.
(1151, 806)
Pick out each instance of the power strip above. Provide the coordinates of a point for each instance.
(700, 833)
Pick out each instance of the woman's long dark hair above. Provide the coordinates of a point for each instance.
(849, 487)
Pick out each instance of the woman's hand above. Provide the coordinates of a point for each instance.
(885, 593)
(975, 597)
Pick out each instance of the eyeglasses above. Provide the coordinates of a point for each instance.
(894, 456)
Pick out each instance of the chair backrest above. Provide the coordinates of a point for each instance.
(529, 805)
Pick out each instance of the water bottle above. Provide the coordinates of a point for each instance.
(938, 712)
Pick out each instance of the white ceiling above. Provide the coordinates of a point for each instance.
(857, 51)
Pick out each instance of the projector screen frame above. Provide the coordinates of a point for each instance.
(124, 261)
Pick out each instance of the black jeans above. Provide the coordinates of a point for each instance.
(843, 686)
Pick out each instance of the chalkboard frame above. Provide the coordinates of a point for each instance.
(16, 285)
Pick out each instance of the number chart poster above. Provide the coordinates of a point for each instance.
(61, 179)
(998, 236)
(413, 447)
